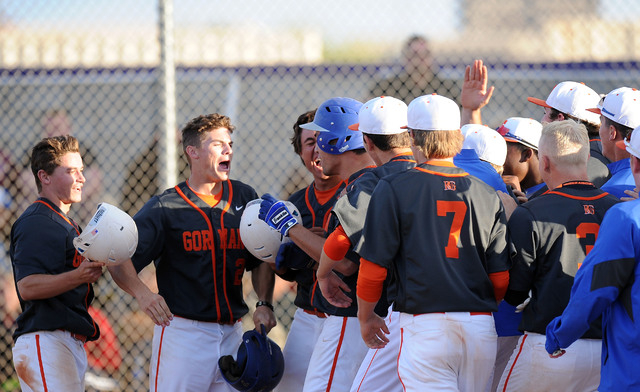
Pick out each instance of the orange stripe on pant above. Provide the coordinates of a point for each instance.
(335, 358)
(158, 362)
(44, 381)
(506, 381)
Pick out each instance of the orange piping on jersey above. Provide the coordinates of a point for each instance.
(324, 196)
(213, 251)
(337, 244)
(224, 249)
(40, 364)
(306, 200)
(578, 197)
(367, 371)
(158, 362)
(463, 174)
(86, 296)
(506, 381)
(371, 277)
(398, 359)
(335, 358)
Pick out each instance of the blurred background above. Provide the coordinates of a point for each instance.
(125, 76)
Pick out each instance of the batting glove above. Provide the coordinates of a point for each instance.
(276, 214)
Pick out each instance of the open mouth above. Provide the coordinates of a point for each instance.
(225, 165)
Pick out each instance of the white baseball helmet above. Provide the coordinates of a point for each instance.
(111, 236)
(258, 237)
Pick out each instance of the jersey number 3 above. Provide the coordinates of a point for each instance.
(459, 210)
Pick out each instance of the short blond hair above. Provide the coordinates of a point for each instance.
(566, 143)
(438, 144)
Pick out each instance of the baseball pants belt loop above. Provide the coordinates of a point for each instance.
(229, 322)
(76, 336)
(315, 313)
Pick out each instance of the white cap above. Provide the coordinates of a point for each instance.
(622, 106)
(487, 143)
(433, 113)
(382, 116)
(573, 99)
(632, 146)
(522, 130)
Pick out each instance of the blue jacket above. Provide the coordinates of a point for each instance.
(608, 284)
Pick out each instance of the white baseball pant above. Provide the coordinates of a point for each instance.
(452, 351)
(50, 361)
(303, 334)
(531, 369)
(379, 369)
(336, 356)
(185, 355)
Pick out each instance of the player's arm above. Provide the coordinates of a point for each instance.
(126, 277)
(263, 281)
(522, 248)
(474, 94)
(369, 290)
(43, 286)
(333, 252)
(604, 274)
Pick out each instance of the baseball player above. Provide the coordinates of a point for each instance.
(570, 101)
(619, 114)
(550, 236)
(607, 285)
(54, 282)
(382, 122)
(314, 203)
(336, 357)
(522, 135)
(191, 233)
(446, 282)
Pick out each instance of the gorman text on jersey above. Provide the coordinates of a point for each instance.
(198, 240)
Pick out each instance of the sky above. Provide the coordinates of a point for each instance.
(335, 19)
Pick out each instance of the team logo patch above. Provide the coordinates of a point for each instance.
(589, 209)
(449, 185)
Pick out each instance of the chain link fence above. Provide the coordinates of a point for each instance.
(92, 69)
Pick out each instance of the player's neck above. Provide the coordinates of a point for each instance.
(386, 156)
(64, 207)
(326, 183)
(355, 162)
(557, 179)
(204, 188)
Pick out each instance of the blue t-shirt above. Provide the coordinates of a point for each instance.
(468, 160)
(621, 178)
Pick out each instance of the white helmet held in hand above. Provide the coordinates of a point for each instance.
(258, 237)
(111, 236)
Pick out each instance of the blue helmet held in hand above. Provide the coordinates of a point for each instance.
(259, 364)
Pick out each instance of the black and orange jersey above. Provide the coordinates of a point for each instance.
(440, 232)
(549, 238)
(314, 213)
(42, 243)
(199, 256)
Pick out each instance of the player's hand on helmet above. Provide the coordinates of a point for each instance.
(265, 316)
(333, 289)
(276, 214)
(154, 306)
(374, 331)
(89, 271)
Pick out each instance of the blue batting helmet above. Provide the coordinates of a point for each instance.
(332, 120)
(258, 366)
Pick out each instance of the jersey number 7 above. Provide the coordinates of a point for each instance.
(459, 210)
